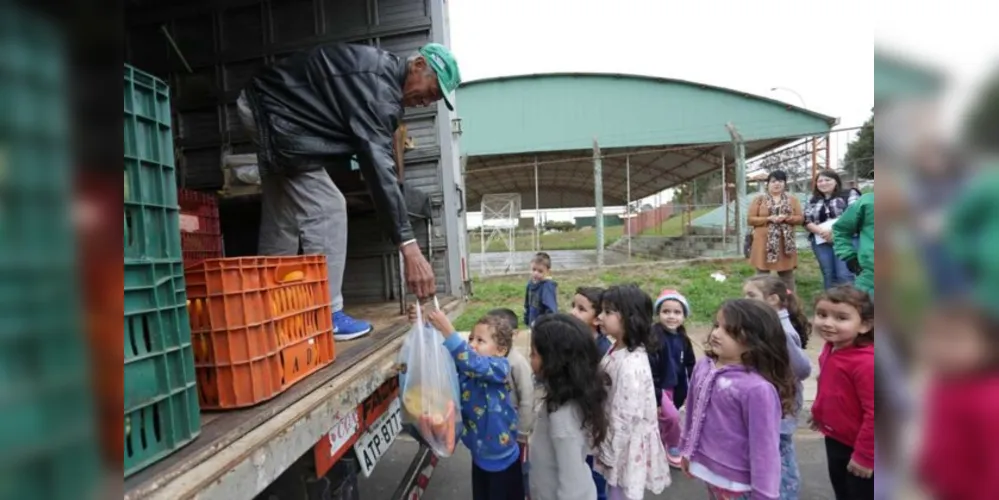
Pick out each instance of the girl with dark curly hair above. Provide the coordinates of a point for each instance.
(738, 393)
(571, 418)
(632, 458)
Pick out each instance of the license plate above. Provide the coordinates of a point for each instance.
(375, 441)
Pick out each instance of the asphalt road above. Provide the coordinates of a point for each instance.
(452, 477)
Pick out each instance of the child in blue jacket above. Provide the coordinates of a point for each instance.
(541, 296)
(488, 415)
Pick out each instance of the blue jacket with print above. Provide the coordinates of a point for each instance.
(488, 415)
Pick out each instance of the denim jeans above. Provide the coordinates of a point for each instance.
(834, 270)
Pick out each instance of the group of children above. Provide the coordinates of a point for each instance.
(603, 419)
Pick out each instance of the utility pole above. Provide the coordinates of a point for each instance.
(598, 200)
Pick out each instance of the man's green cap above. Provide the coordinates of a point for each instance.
(441, 60)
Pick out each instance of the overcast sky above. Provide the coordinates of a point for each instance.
(823, 52)
(820, 49)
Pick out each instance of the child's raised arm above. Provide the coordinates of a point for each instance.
(472, 365)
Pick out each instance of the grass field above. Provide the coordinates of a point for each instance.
(585, 239)
(704, 293)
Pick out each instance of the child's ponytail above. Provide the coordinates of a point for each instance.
(772, 285)
(799, 320)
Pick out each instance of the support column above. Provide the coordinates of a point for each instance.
(627, 210)
(724, 193)
(537, 209)
(739, 148)
(482, 240)
(598, 200)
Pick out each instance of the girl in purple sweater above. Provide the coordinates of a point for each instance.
(739, 392)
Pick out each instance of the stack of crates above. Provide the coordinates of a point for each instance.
(260, 325)
(200, 233)
(161, 401)
(47, 427)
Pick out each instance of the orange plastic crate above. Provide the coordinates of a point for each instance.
(258, 325)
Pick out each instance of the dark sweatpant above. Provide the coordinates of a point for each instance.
(846, 485)
(501, 485)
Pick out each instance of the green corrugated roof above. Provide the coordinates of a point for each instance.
(896, 77)
(553, 112)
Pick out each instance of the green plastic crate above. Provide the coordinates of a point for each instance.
(48, 448)
(161, 398)
(152, 229)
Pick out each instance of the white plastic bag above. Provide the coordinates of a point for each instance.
(430, 389)
(243, 166)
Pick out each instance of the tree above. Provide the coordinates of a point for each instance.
(859, 158)
(794, 160)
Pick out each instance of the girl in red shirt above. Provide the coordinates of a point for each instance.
(844, 406)
(959, 459)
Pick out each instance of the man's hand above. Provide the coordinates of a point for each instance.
(419, 274)
(411, 313)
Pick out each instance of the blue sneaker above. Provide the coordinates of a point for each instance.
(348, 328)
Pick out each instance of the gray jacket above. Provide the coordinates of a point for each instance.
(800, 365)
(523, 393)
(558, 456)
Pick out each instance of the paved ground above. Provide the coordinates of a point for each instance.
(520, 262)
(452, 478)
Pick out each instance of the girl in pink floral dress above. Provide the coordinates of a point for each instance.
(632, 457)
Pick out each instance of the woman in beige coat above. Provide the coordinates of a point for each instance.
(773, 217)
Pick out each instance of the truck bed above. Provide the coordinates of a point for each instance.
(240, 452)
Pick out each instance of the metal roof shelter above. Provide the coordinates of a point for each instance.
(897, 77)
(669, 131)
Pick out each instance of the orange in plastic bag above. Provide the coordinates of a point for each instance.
(430, 390)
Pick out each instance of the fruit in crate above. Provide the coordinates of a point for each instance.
(293, 276)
